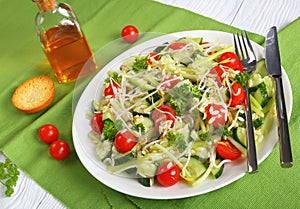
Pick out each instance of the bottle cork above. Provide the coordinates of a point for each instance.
(46, 5)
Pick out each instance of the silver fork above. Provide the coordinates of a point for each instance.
(245, 52)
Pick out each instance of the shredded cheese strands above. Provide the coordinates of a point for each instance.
(133, 91)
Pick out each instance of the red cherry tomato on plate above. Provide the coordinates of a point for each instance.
(231, 60)
(177, 45)
(59, 149)
(124, 141)
(227, 150)
(48, 133)
(163, 113)
(216, 113)
(96, 123)
(217, 70)
(110, 89)
(130, 34)
(168, 174)
(153, 55)
(169, 83)
(238, 95)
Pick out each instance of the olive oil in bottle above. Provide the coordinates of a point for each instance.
(63, 41)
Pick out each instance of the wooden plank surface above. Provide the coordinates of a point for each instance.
(252, 15)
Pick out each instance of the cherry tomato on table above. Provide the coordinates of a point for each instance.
(96, 123)
(216, 113)
(130, 34)
(110, 89)
(238, 95)
(163, 113)
(227, 150)
(124, 141)
(231, 60)
(168, 174)
(48, 133)
(59, 149)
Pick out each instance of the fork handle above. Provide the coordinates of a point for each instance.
(286, 159)
(251, 148)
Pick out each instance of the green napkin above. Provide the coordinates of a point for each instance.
(21, 58)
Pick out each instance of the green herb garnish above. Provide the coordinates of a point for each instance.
(9, 174)
(140, 64)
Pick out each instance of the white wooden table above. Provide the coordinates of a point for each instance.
(252, 15)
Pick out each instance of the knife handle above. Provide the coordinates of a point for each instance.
(286, 159)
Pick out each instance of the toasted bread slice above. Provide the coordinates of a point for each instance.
(34, 95)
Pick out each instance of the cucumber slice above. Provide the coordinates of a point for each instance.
(217, 172)
(198, 40)
(147, 169)
(254, 82)
(103, 149)
(239, 134)
(194, 170)
(261, 94)
(147, 182)
(270, 86)
(261, 68)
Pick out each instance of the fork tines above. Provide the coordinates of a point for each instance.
(246, 55)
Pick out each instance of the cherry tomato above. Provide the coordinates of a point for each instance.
(163, 113)
(96, 123)
(238, 95)
(110, 89)
(216, 113)
(168, 174)
(227, 150)
(124, 141)
(231, 60)
(177, 45)
(59, 149)
(153, 55)
(169, 83)
(130, 34)
(48, 133)
(217, 70)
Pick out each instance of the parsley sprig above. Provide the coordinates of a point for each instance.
(140, 64)
(9, 174)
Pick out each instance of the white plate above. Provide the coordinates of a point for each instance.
(86, 150)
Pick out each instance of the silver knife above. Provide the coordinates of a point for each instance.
(274, 69)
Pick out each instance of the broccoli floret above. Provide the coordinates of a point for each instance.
(109, 130)
(176, 140)
(182, 95)
(203, 136)
(139, 127)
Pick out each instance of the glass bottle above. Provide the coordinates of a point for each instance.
(63, 41)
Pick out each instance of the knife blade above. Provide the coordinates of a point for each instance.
(274, 69)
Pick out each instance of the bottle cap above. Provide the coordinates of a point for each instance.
(46, 5)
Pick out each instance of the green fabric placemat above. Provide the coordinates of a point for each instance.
(21, 58)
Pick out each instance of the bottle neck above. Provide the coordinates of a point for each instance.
(46, 5)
